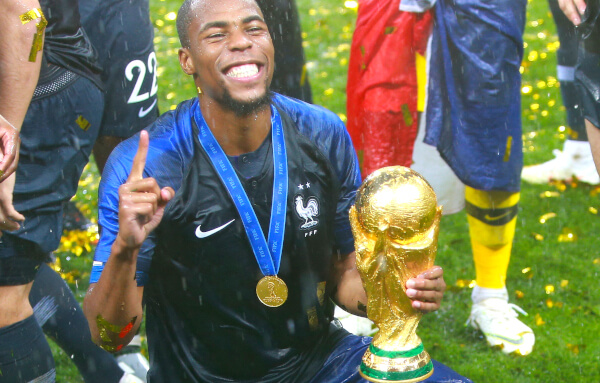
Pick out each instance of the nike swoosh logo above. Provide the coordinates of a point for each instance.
(490, 218)
(143, 112)
(204, 234)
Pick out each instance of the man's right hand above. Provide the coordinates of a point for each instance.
(141, 201)
(573, 9)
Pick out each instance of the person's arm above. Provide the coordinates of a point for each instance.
(18, 74)
(573, 9)
(426, 290)
(113, 305)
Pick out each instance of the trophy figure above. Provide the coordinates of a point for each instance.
(395, 223)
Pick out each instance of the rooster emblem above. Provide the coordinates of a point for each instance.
(307, 212)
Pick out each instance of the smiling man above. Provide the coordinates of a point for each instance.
(240, 254)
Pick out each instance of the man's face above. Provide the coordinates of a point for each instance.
(231, 52)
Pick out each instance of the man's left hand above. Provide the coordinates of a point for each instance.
(9, 217)
(427, 289)
(9, 148)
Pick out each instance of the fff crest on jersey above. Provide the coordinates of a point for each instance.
(307, 208)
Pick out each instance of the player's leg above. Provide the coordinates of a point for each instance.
(575, 159)
(587, 78)
(24, 353)
(594, 138)
(492, 218)
(123, 34)
(346, 356)
(61, 318)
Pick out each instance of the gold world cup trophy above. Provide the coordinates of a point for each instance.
(395, 223)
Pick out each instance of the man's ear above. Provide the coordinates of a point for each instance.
(185, 60)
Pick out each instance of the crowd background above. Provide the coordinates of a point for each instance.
(555, 265)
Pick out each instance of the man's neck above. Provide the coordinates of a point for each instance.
(237, 134)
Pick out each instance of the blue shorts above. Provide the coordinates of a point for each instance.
(57, 137)
(123, 35)
(342, 365)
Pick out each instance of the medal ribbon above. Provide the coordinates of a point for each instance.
(268, 255)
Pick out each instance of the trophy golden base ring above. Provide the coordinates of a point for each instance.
(396, 366)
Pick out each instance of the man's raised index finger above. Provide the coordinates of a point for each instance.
(139, 161)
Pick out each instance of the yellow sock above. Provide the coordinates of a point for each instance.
(492, 217)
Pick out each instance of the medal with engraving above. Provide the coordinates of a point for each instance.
(271, 290)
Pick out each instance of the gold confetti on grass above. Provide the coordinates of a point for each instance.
(549, 194)
(544, 218)
(576, 348)
(567, 235)
(537, 237)
(538, 320)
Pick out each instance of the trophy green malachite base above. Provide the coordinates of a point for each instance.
(396, 366)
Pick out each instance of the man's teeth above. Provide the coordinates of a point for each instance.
(242, 71)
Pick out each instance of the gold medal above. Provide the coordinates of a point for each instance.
(272, 291)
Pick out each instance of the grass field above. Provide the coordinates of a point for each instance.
(555, 266)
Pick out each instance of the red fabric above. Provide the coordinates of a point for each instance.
(382, 82)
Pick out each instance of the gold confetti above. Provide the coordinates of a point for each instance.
(559, 185)
(532, 56)
(546, 217)
(597, 261)
(538, 320)
(549, 303)
(593, 210)
(389, 30)
(575, 348)
(519, 294)
(549, 194)
(564, 283)
(408, 119)
(507, 151)
(83, 123)
(464, 283)
(549, 289)
(328, 92)
(538, 237)
(526, 270)
(567, 235)
(38, 38)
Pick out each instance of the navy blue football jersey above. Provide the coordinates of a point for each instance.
(204, 320)
(65, 42)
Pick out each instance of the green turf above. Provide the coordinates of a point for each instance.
(553, 279)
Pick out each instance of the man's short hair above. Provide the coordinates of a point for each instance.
(184, 19)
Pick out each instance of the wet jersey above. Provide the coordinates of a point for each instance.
(204, 320)
(66, 44)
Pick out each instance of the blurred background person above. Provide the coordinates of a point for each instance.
(575, 159)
